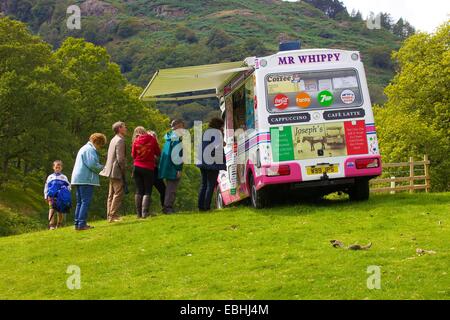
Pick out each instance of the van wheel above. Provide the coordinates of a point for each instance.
(360, 191)
(219, 201)
(258, 198)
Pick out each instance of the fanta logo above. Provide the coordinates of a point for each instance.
(303, 100)
(281, 101)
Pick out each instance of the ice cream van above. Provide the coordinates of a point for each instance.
(298, 122)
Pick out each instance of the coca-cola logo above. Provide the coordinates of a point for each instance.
(281, 101)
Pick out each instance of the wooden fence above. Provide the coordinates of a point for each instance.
(403, 176)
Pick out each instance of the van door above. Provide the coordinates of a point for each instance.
(230, 147)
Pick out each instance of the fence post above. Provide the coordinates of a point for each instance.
(411, 174)
(393, 185)
(427, 173)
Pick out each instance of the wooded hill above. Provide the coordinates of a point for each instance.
(145, 35)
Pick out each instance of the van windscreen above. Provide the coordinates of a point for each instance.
(302, 91)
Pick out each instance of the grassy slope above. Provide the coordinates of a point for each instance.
(22, 210)
(282, 253)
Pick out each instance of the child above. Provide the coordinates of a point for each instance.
(54, 183)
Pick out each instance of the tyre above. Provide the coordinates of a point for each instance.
(360, 191)
(219, 200)
(258, 198)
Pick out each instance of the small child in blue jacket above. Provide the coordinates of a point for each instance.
(54, 183)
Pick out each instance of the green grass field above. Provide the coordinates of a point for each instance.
(240, 253)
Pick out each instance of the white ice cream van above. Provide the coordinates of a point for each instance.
(298, 122)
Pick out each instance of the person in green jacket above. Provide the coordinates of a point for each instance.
(170, 167)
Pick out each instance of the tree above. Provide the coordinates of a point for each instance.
(403, 29)
(182, 33)
(219, 39)
(42, 11)
(416, 118)
(356, 15)
(21, 9)
(94, 84)
(387, 21)
(254, 47)
(332, 8)
(380, 57)
(128, 28)
(32, 104)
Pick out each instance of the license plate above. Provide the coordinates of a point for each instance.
(319, 170)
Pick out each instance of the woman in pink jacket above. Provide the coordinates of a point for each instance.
(144, 151)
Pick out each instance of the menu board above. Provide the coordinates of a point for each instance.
(282, 144)
(319, 141)
(355, 136)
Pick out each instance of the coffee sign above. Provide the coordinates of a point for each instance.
(289, 118)
(344, 114)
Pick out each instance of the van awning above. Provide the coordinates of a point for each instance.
(191, 80)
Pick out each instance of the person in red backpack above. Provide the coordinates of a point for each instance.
(144, 151)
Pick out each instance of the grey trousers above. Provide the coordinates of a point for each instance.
(171, 190)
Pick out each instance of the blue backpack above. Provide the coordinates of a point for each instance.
(53, 189)
(63, 200)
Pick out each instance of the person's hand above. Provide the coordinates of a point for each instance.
(178, 174)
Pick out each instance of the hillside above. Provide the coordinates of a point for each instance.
(145, 35)
(22, 208)
(281, 253)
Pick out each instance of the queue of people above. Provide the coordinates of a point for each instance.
(152, 167)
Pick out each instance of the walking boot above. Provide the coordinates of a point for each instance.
(146, 206)
(138, 205)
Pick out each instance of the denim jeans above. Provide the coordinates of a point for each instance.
(209, 182)
(84, 197)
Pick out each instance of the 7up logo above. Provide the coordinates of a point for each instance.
(325, 98)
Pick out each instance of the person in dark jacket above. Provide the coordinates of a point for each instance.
(212, 161)
(145, 150)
